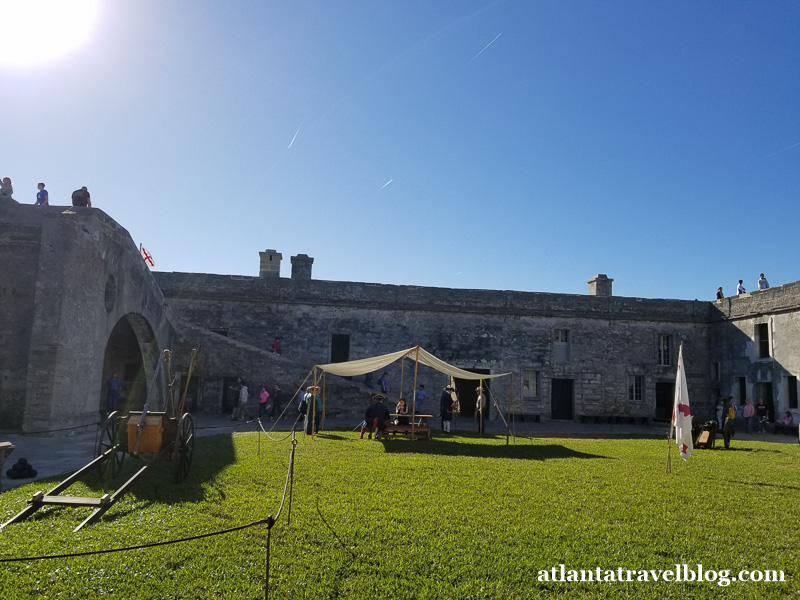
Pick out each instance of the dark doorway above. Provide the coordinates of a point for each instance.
(561, 399)
(665, 399)
(230, 394)
(340, 347)
(191, 395)
(123, 356)
(467, 390)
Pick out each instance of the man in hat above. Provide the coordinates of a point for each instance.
(480, 407)
(446, 408)
(375, 417)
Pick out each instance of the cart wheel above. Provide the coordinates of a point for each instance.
(184, 447)
(110, 438)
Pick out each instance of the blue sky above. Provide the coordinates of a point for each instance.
(527, 145)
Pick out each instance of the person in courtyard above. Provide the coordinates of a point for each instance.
(277, 397)
(240, 410)
(369, 381)
(276, 346)
(740, 288)
(313, 409)
(480, 408)
(375, 417)
(419, 400)
(719, 411)
(446, 408)
(720, 295)
(383, 384)
(112, 392)
(763, 284)
(729, 411)
(42, 197)
(762, 415)
(784, 424)
(263, 402)
(748, 413)
(82, 197)
(401, 409)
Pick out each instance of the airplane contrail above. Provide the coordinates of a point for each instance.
(484, 48)
(784, 150)
(385, 184)
(295, 137)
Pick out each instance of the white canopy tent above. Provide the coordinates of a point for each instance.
(417, 354)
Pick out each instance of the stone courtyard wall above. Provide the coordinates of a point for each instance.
(498, 331)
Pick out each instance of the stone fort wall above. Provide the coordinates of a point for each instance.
(610, 338)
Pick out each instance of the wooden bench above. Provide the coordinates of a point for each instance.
(786, 429)
(524, 418)
(614, 419)
(408, 430)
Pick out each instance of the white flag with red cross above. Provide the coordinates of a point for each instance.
(148, 258)
(681, 416)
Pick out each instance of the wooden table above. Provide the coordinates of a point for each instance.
(418, 425)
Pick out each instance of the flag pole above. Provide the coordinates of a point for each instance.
(672, 418)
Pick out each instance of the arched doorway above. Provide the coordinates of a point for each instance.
(131, 353)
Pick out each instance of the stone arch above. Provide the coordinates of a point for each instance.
(132, 352)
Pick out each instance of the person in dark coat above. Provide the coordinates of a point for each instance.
(375, 417)
(446, 408)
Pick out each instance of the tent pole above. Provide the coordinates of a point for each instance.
(402, 376)
(479, 408)
(324, 383)
(312, 406)
(508, 413)
(414, 394)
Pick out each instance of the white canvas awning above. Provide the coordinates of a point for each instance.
(417, 354)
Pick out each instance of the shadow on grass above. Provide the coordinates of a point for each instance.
(466, 448)
(762, 484)
(157, 484)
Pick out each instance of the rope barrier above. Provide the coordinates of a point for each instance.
(95, 424)
(139, 547)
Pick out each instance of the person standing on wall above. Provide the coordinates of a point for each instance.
(763, 284)
(81, 197)
(42, 197)
(740, 288)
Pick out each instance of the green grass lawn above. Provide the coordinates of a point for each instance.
(455, 517)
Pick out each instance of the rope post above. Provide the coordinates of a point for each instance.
(270, 523)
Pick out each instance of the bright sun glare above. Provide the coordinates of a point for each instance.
(37, 31)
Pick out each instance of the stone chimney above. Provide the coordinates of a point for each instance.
(301, 267)
(600, 285)
(270, 264)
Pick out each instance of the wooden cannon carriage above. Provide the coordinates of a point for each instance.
(168, 434)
